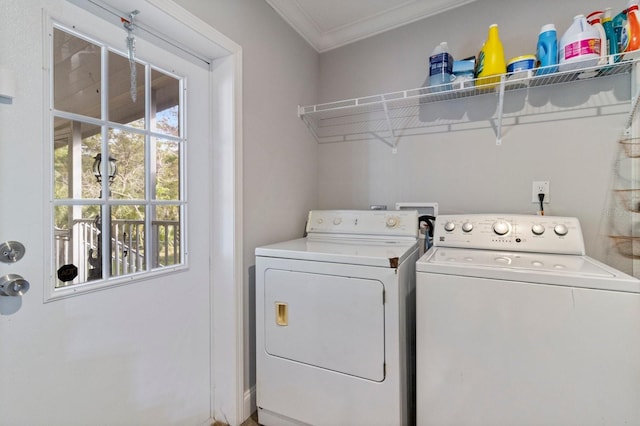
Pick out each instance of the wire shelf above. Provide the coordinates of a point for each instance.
(389, 116)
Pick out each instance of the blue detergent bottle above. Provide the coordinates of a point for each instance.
(612, 40)
(547, 50)
(440, 68)
(619, 22)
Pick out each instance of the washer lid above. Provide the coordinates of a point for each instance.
(567, 270)
(387, 253)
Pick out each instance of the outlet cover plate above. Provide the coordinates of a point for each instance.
(537, 187)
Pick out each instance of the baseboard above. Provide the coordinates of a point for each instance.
(249, 403)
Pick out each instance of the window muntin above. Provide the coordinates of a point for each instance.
(132, 221)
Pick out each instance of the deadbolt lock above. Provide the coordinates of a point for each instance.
(11, 251)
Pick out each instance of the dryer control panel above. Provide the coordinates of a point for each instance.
(364, 223)
(531, 233)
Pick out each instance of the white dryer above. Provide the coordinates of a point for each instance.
(516, 326)
(335, 321)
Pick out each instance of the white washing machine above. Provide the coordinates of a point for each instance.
(516, 326)
(335, 321)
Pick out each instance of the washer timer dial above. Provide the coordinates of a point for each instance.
(501, 227)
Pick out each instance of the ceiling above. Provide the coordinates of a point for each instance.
(328, 24)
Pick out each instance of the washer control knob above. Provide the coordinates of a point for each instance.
(537, 229)
(392, 222)
(337, 221)
(449, 226)
(501, 228)
(561, 229)
(467, 227)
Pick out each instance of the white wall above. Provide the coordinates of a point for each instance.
(280, 157)
(463, 170)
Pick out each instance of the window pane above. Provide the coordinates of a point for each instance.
(127, 239)
(76, 74)
(167, 170)
(122, 108)
(140, 168)
(75, 146)
(166, 236)
(77, 242)
(127, 149)
(165, 99)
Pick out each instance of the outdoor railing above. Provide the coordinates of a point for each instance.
(79, 246)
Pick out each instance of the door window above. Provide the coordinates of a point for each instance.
(118, 151)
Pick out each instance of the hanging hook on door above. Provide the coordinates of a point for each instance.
(131, 48)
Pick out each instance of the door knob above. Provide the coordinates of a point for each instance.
(13, 285)
(11, 251)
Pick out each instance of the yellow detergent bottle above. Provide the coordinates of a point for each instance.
(491, 61)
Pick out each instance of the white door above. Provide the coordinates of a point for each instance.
(137, 353)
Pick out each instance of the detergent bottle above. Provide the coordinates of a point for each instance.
(630, 40)
(619, 22)
(595, 20)
(440, 67)
(612, 41)
(491, 62)
(579, 46)
(547, 50)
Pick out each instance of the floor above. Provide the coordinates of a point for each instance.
(251, 421)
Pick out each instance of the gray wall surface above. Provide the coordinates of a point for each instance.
(280, 71)
(566, 134)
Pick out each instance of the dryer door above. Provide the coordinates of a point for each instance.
(332, 322)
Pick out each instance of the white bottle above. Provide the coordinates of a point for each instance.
(440, 68)
(595, 20)
(579, 47)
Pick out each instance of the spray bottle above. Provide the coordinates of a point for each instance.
(631, 31)
(612, 41)
(619, 22)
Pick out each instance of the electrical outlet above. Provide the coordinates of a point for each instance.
(540, 187)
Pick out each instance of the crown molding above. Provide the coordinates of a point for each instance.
(301, 20)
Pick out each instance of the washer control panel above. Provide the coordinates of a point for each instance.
(540, 234)
(364, 222)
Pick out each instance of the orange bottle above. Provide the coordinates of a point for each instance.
(631, 31)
